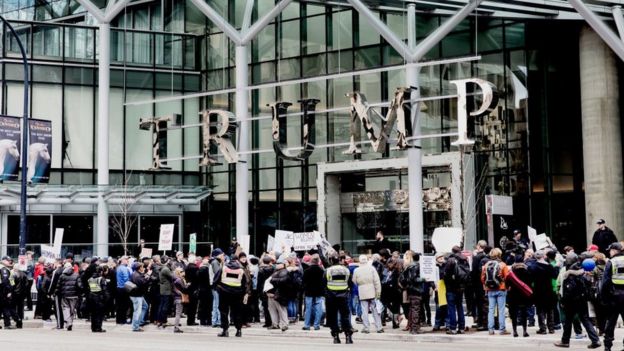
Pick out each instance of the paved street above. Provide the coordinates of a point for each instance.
(42, 336)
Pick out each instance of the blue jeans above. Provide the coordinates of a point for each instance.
(455, 310)
(139, 306)
(496, 299)
(356, 308)
(313, 305)
(292, 309)
(216, 316)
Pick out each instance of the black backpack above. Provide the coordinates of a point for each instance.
(493, 275)
(460, 272)
(574, 288)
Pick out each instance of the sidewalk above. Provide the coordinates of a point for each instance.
(472, 337)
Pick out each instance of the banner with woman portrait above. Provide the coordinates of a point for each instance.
(10, 143)
(39, 151)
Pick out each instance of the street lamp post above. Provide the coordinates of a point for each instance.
(23, 197)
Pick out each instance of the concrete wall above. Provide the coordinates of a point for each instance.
(602, 144)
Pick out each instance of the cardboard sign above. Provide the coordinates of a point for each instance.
(283, 241)
(48, 253)
(542, 241)
(165, 241)
(532, 233)
(270, 243)
(428, 268)
(145, 253)
(501, 205)
(306, 241)
(444, 238)
(58, 240)
(193, 243)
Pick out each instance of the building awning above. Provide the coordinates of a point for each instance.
(115, 195)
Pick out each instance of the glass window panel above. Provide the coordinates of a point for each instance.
(78, 127)
(341, 61)
(489, 35)
(219, 181)
(267, 179)
(342, 35)
(116, 126)
(315, 34)
(138, 142)
(293, 177)
(77, 75)
(514, 35)
(314, 65)
(52, 110)
(48, 74)
(47, 42)
(290, 39)
(191, 135)
(291, 11)
(289, 69)
(367, 34)
(79, 44)
(312, 9)
(174, 137)
(264, 44)
(367, 58)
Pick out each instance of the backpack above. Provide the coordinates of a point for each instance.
(574, 288)
(493, 275)
(462, 273)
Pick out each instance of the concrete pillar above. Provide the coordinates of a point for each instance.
(602, 144)
(332, 209)
(101, 247)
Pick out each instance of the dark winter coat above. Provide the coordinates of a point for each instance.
(287, 284)
(68, 285)
(313, 281)
(603, 238)
(264, 273)
(142, 284)
(514, 296)
(166, 280)
(542, 275)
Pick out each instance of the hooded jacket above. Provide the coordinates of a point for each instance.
(68, 285)
(222, 288)
(165, 278)
(543, 274)
(264, 272)
(313, 281)
(368, 282)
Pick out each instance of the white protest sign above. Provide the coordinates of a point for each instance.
(270, 243)
(165, 241)
(48, 253)
(428, 268)
(243, 240)
(306, 241)
(283, 241)
(326, 247)
(58, 241)
(542, 241)
(145, 253)
(532, 233)
(444, 238)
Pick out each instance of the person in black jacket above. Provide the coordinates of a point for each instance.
(44, 301)
(231, 284)
(411, 281)
(58, 308)
(204, 294)
(20, 290)
(154, 288)
(264, 272)
(190, 275)
(314, 292)
(137, 296)
(603, 237)
(97, 297)
(455, 286)
(7, 303)
(480, 313)
(68, 288)
(545, 299)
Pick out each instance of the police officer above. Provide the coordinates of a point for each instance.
(96, 299)
(337, 281)
(7, 298)
(612, 290)
(231, 285)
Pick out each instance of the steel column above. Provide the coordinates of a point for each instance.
(103, 135)
(242, 167)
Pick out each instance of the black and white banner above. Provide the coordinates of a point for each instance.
(39, 151)
(10, 142)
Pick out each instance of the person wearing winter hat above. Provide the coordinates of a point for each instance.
(216, 262)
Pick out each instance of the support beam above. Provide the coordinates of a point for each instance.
(218, 21)
(93, 10)
(247, 16)
(249, 35)
(607, 35)
(618, 17)
(242, 167)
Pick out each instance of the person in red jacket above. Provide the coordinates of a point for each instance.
(493, 278)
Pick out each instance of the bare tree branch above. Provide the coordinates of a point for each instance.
(123, 220)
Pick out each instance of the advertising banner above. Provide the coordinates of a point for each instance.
(39, 151)
(10, 143)
(165, 241)
(193, 243)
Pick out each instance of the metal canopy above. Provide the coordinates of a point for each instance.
(557, 9)
(113, 195)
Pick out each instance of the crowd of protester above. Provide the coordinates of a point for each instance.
(553, 289)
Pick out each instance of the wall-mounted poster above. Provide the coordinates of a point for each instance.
(39, 160)
(10, 143)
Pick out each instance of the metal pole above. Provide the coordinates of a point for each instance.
(102, 142)
(414, 153)
(23, 195)
(242, 167)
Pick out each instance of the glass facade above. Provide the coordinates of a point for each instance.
(168, 48)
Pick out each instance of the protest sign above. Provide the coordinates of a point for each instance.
(428, 268)
(58, 240)
(306, 241)
(48, 253)
(283, 241)
(165, 241)
(145, 253)
(444, 238)
(270, 243)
